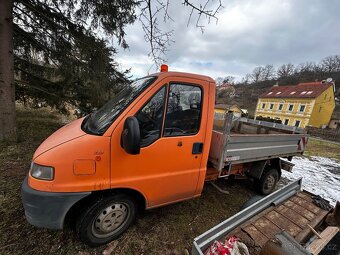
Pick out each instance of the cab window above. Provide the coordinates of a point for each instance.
(183, 115)
(150, 118)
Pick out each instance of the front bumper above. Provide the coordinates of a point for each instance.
(48, 209)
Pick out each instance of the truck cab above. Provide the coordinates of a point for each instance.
(147, 147)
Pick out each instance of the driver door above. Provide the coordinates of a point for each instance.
(172, 142)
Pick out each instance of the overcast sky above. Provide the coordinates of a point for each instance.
(249, 33)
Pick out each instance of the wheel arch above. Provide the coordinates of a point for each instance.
(275, 163)
(74, 211)
(259, 168)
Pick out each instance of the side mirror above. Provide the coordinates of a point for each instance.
(130, 140)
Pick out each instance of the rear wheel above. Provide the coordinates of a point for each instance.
(267, 182)
(106, 219)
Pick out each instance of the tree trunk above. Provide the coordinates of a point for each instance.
(7, 87)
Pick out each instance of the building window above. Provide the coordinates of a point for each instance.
(325, 96)
(290, 107)
(286, 121)
(271, 106)
(309, 92)
(278, 93)
(297, 123)
(263, 105)
(303, 92)
(280, 107)
(270, 93)
(302, 108)
(292, 93)
(320, 108)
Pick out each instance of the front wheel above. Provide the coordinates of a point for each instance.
(106, 219)
(267, 182)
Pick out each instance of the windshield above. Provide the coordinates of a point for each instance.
(98, 122)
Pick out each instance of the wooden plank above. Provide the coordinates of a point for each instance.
(308, 205)
(266, 227)
(259, 238)
(305, 196)
(318, 244)
(283, 223)
(300, 210)
(293, 216)
(302, 236)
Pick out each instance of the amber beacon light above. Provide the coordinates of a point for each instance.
(164, 68)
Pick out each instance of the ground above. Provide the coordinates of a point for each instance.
(166, 230)
(321, 148)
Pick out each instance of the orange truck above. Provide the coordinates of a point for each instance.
(155, 143)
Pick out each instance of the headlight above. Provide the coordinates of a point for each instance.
(42, 172)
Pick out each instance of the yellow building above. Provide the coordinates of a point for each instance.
(306, 104)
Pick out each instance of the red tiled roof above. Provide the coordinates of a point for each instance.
(302, 90)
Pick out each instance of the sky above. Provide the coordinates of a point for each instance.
(248, 33)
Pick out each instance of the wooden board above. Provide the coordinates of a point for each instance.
(292, 216)
(318, 244)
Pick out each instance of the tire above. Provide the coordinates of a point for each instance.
(106, 219)
(267, 182)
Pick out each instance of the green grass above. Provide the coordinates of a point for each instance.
(165, 230)
(323, 149)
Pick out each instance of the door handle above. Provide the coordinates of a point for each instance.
(197, 148)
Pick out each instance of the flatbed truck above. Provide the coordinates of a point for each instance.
(155, 143)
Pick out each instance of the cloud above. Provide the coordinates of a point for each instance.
(248, 34)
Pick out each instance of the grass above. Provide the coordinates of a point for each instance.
(320, 148)
(166, 230)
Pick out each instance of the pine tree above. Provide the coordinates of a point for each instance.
(54, 51)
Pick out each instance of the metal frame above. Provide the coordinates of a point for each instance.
(226, 136)
(202, 242)
(274, 125)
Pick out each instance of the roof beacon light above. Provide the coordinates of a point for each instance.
(164, 68)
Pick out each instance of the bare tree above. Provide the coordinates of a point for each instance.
(229, 79)
(331, 64)
(305, 67)
(246, 79)
(285, 70)
(158, 39)
(257, 74)
(152, 13)
(225, 80)
(268, 73)
(202, 9)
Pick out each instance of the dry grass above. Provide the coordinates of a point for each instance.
(323, 149)
(166, 230)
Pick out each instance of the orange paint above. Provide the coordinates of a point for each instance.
(164, 172)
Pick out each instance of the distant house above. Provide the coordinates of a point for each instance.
(306, 104)
(221, 109)
(334, 124)
(227, 88)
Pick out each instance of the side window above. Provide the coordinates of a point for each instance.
(150, 118)
(183, 114)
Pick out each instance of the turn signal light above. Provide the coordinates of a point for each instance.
(164, 68)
